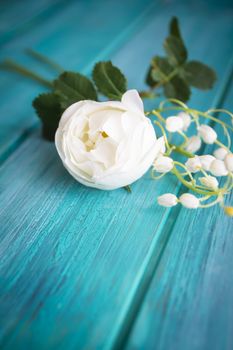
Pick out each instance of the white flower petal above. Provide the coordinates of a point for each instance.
(132, 101)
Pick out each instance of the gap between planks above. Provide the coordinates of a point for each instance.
(138, 293)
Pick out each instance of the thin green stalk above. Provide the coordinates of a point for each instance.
(166, 78)
(17, 68)
(148, 94)
(45, 60)
(188, 185)
(182, 151)
(127, 188)
(188, 110)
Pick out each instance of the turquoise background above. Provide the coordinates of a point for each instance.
(86, 269)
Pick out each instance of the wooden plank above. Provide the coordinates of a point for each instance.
(73, 259)
(64, 36)
(190, 301)
(19, 15)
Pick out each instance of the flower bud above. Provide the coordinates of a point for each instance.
(188, 200)
(193, 164)
(207, 134)
(206, 161)
(209, 181)
(186, 120)
(174, 124)
(167, 200)
(218, 168)
(220, 153)
(163, 164)
(228, 160)
(193, 144)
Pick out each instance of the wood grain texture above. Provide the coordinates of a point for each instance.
(190, 302)
(75, 35)
(75, 263)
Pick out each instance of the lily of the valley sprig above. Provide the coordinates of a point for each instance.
(199, 174)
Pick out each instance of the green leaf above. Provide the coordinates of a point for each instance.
(109, 80)
(48, 108)
(174, 29)
(176, 50)
(161, 68)
(73, 87)
(149, 79)
(177, 88)
(199, 75)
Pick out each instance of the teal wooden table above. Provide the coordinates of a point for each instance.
(88, 269)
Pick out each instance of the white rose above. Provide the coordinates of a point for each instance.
(107, 145)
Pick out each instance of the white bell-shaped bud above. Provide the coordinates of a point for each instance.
(206, 161)
(174, 124)
(207, 134)
(190, 201)
(193, 164)
(209, 181)
(186, 120)
(163, 164)
(193, 144)
(218, 168)
(220, 153)
(228, 160)
(167, 200)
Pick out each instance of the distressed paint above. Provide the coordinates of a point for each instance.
(76, 263)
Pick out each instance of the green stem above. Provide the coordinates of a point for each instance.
(180, 150)
(148, 94)
(166, 78)
(128, 189)
(190, 111)
(17, 68)
(45, 60)
(191, 187)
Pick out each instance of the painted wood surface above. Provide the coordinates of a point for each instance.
(190, 302)
(81, 268)
(75, 34)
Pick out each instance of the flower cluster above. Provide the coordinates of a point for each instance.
(187, 133)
